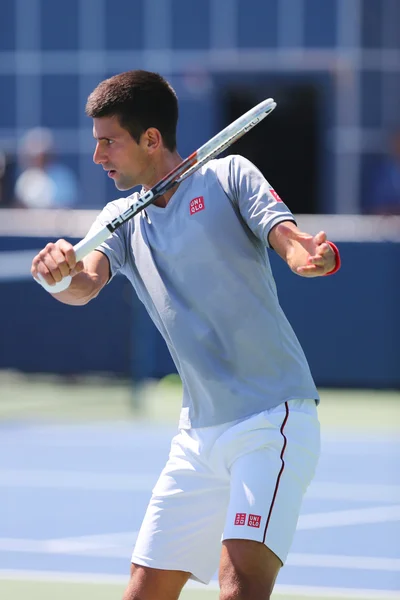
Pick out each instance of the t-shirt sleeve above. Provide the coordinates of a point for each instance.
(259, 204)
(115, 246)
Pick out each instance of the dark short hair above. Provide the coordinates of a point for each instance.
(139, 99)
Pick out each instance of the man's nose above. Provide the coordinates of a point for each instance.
(98, 155)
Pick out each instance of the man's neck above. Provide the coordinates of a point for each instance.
(169, 162)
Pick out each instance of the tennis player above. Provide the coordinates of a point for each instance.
(248, 439)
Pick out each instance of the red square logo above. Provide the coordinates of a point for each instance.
(240, 519)
(275, 195)
(254, 521)
(196, 205)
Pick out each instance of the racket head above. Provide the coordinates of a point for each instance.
(230, 135)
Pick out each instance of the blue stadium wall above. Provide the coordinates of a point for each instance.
(52, 55)
(348, 324)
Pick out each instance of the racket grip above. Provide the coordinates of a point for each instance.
(82, 249)
(88, 244)
(61, 286)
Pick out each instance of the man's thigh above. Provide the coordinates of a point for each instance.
(268, 481)
(247, 570)
(182, 527)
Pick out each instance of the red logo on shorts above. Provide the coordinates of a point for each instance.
(196, 205)
(240, 519)
(254, 521)
(275, 195)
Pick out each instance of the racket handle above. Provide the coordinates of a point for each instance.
(61, 286)
(82, 249)
(88, 244)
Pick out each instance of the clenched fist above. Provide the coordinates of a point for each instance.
(56, 264)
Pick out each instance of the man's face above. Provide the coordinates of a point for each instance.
(118, 153)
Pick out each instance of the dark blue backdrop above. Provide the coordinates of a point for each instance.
(348, 324)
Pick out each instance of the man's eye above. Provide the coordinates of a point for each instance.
(109, 142)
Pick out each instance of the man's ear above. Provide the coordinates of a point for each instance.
(152, 139)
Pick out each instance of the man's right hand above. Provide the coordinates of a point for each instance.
(55, 262)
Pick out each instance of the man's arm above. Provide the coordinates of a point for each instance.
(306, 255)
(89, 276)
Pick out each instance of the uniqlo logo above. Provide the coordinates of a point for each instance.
(254, 521)
(240, 519)
(196, 205)
(275, 195)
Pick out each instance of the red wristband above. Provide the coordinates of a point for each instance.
(338, 262)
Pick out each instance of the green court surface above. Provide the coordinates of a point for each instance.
(41, 590)
(52, 398)
(43, 399)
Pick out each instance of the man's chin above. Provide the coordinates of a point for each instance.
(123, 186)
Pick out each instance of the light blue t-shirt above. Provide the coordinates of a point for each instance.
(200, 266)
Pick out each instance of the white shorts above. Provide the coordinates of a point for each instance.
(241, 480)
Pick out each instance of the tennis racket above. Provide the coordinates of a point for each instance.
(187, 167)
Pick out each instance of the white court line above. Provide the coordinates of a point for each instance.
(120, 545)
(121, 482)
(285, 590)
(362, 445)
(81, 480)
(333, 443)
(116, 545)
(354, 491)
(341, 518)
(86, 543)
(338, 561)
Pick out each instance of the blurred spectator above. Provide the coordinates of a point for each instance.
(385, 184)
(44, 182)
(7, 199)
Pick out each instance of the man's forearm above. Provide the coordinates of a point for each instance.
(305, 254)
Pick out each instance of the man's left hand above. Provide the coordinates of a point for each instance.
(308, 256)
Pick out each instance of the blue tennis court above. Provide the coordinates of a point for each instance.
(73, 496)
